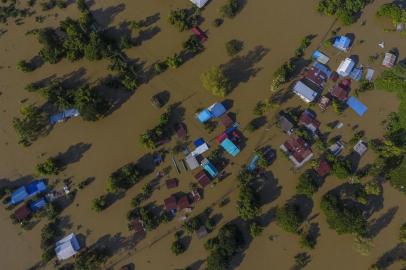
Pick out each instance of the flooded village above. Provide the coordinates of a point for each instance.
(225, 134)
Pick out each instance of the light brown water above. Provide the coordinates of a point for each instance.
(276, 27)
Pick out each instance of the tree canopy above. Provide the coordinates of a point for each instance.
(215, 81)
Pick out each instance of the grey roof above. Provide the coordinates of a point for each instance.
(285, 124)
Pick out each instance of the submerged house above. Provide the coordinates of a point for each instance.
(317, 75)
(230, 147)
(298, 150)
(199, 3)
(360, 148)
(389, 60)
(214, 111)
(209, 168)
(203, 179)
(63, 116)
(286, 125)
(27, 191)
(320, 57)
(308, 119)
(345, 67)
(67, 247)
(358, 107)
(339, 92)
(342, 43)
(304, 92)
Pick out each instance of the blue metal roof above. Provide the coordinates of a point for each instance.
(199, 142)
(323, 68)
(208, 167)
(63, 115)
(357, 106)
(217, 109)
(204, 116)
(356, 74)
(19, 195)
(342, 43)
(36, 187)
(253, 163)
(230, 147)
(38, 205)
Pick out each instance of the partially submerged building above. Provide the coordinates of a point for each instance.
(345, 67)
(304, 92)
(298, 150)
(67, 247)
(342, 43)
(360, 148)
(308, 119)
(27, 191)
(199, 3)
(389, 60)
(286, 125)
(357, 106)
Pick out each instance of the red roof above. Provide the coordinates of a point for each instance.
(199, 33)
(226, 121)
(183, 202)
(323, 169)
(203, 179)
(180, 130)
(22, 213)
(298, 148)
(316, 76)
(172, 183)
(307, 119)
(137, 225)
(339, 92)
(170, 203)
(195, 195)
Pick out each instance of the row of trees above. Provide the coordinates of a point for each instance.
(30, 125)
(346, 11)
(248, 202)
(284, 73)
(184, 19)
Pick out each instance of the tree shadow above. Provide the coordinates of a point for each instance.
(392, 256)
(268, 217)
(241, 68)
(268, 188)
(105, 16)
(303, 204)
(152, 19)
(377, 225)
(145, 35)
(196, 265)
(65, 223)
(73, 154)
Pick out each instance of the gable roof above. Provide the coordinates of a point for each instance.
(22, 213)
(67, 247)
(202, 178)
(183, 202)
(199, 3)
(323, 169)
(170, 203)
(230, 147)
(285, 124)
(339, 92)
(172, 183)
(298, 148)
(304, 92)
(342, 43)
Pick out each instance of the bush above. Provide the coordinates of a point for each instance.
(393, 11)
(347, 12)
(255, 229)
(307, 241)
(100, 203)
(397, 177)
(215, 81)
(91, 259)
(193, 45)
(402, 236)
(289, 218)
(48, 167)
(124, 178)
(230, 9)
(233, 47)
(25, 66)
(173, 61)
(372, 188)
(177, 247)
(183, 19)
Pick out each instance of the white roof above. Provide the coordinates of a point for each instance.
(200, 150)
(346, 67)
(360, 148)
(199, 3)
(304, 92)
(389, 60)
(191, 162)
(67, 247)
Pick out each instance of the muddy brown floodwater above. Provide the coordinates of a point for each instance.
(271, 31)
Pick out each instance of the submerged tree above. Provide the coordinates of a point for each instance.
(215, 81)
(31, 125)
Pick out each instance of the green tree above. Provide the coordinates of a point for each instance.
(402, 235)
(289, 218)
(52, 51)
(308, 183)
(230, 9)
(177, 247)
(99, 203)
(193, 45)
(174, 61)
(48, 167)
(233, 47)
(91, 259)
(25, 66)
(31, 125)
(255, 229)
(215, 81)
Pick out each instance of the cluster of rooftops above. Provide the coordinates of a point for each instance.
(315, 77)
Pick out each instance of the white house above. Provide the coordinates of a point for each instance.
(67, 247)
(199, 3)
(304, 92)
(345, 68)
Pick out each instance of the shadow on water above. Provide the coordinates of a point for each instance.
(73, 154)
(377, 225)
(105, 16)
(242, 68)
